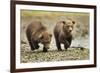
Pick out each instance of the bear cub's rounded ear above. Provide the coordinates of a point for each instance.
(73, 22)
(63, 22)
(50, 35)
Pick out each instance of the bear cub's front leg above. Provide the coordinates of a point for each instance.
(66, 44)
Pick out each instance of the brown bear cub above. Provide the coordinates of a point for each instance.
(62, 33)
(37, 33)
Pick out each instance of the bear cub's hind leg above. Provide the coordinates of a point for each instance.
(57, 42)
(68, 42)
(45, 49)
(66, 45)
(32, 46)
(36, 45)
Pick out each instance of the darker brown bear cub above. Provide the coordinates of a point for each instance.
(37, 33)
(62, 33)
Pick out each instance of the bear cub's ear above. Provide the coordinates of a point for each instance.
(50, 35)
(73, 22)
(63, 22)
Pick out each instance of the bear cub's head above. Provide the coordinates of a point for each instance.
(45, 39)
(68, 26)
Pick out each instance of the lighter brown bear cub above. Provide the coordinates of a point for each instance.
(62, 33)
(37, 33)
